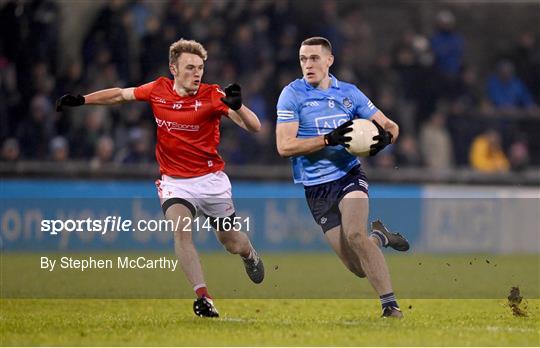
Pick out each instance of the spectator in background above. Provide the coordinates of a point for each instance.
(519, 155)
(153, 44)
(447, 46)
(407, 153)
(404, 71)
(526, 58)
(71, 79)
(470, 94)
(36, 131)
(415, 70)
(141, 13)
(59, 149)
(111, 30)
(436, 143)
(86, 136)
(506, 91)
(42, 80)
(139, 148)
(10, 98)
(10, 150)
(486, 154)
(104, 152)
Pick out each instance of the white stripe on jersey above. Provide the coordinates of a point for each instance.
(284, 115)
(363, 184)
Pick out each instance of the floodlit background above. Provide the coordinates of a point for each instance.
(460, 78)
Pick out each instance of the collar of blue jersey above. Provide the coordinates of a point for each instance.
(334, 83)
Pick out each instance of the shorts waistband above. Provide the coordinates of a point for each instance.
(189, 180)
(356, 167)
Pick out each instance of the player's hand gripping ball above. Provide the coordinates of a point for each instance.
(339, 136)
(384, 138)
(364, 137)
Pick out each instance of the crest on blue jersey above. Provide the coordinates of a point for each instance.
(347, 102)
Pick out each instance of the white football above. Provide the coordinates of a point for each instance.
(362, 137)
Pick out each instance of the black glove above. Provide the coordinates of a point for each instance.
(384, 138)
(69, 100)
(233, 96)
(337, 136)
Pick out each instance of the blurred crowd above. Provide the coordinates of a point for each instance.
(423, 81)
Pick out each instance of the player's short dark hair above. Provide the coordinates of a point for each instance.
(316, 41)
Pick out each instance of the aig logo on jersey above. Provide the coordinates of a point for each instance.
(325, 124)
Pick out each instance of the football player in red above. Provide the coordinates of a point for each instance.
(188, 114)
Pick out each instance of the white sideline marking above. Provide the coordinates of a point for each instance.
(271, 321)
(237, 320)
(509, 329)
(359, 322)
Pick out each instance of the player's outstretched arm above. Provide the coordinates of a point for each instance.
(239, 113)
(103, 97)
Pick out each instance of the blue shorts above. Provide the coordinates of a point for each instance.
(323, 199)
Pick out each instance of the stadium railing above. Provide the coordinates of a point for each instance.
(85, 170)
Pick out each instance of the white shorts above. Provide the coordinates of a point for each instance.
(209, 194)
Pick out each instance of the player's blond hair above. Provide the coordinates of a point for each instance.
(185, 46)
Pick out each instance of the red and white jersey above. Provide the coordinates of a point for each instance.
(187, 127)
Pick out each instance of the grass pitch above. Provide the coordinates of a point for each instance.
(305, 300)
(266, 323)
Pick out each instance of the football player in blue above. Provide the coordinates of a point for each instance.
(314, 116)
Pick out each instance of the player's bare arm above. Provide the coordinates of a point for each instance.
(246, 119)
(238, 112)
(108, 96)
(288, 144)
(387, 124)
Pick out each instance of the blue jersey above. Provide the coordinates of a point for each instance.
(319, 112)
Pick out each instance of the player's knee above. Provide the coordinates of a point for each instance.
(357, 238)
